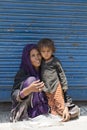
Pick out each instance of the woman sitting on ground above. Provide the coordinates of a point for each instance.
(28, 99)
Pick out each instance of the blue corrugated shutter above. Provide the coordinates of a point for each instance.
(26, 21)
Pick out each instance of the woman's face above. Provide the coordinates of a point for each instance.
(35, 58)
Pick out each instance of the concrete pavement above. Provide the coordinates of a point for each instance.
(79, 124)
(43, 123)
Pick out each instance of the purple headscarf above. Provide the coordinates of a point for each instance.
(26, 63)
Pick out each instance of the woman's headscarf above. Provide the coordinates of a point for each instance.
(26, 62)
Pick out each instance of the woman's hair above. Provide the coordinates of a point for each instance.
(46, 42)
(26, 64)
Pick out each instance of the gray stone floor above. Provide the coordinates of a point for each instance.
(83, 108)
(6, 107)
(5, 111)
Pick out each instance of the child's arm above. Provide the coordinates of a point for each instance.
(67, 98)
(61, 75)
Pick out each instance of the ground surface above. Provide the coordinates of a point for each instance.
(42, 123)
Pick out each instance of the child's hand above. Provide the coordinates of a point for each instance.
(66, 115)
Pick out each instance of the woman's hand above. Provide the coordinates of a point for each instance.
(66, 115)
(36, 86)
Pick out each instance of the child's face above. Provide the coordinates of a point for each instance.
(46, 53)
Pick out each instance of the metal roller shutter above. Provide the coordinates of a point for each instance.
(27, 21)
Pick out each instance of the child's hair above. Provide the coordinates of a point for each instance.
(46, 42)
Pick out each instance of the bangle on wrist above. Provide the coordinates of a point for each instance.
(21, 95)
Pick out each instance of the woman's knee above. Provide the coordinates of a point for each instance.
(75, 112)
(28, 81)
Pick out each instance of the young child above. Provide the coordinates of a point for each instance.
(54, 78)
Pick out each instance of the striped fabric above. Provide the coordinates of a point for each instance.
(56, 101)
